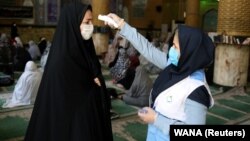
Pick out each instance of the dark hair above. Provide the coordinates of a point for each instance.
(89, 8)
(171, 39)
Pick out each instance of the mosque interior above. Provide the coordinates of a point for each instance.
(228, 77)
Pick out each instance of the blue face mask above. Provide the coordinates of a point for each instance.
(173, 55)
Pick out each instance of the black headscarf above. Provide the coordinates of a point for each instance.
(197, 52)
(13, 31)
(68, 40)
(69, 104)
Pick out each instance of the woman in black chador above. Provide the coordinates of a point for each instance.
(72, 103)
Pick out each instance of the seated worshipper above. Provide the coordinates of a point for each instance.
(34, 51)
(111, 51)
(122, 75)
(110, 55)
(26, 88)
(42, 44)
(21, 56)
(138, 93)
(133, 57)
(3, 39)
(150, 67)
(18, 42)
(44, 57)
(6, 62)
(6, 67)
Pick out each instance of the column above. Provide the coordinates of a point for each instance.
(101, 35)
(192, 13)
(231, 56)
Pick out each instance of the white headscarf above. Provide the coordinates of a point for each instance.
(34, 50)
(3, 37)
(26, 88)
(19, 42)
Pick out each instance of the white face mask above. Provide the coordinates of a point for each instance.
(87, 31)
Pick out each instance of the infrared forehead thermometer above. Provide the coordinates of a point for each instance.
(108, 20)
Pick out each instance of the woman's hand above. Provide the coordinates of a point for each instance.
(120, 22)
(147, 114)
(97, 81)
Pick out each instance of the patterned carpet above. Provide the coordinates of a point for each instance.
(14, 121)
(232, 106)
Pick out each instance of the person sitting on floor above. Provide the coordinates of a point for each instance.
(34, 50)
(44, 56)
(26, 88)
(121, 74)
(42, 44)
(6, 62)
(21, 56)
(133, 57)
(138, 93)
(149, 66)
(128, 76)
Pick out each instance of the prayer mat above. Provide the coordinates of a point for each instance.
(226, 113)
(12, 127)
(230, 110)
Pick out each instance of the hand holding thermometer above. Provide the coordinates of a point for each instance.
(108, 20)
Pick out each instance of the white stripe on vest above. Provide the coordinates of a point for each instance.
(171, 102)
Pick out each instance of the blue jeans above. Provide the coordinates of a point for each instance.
(159, 130)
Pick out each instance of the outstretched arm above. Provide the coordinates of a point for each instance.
(146, 49)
